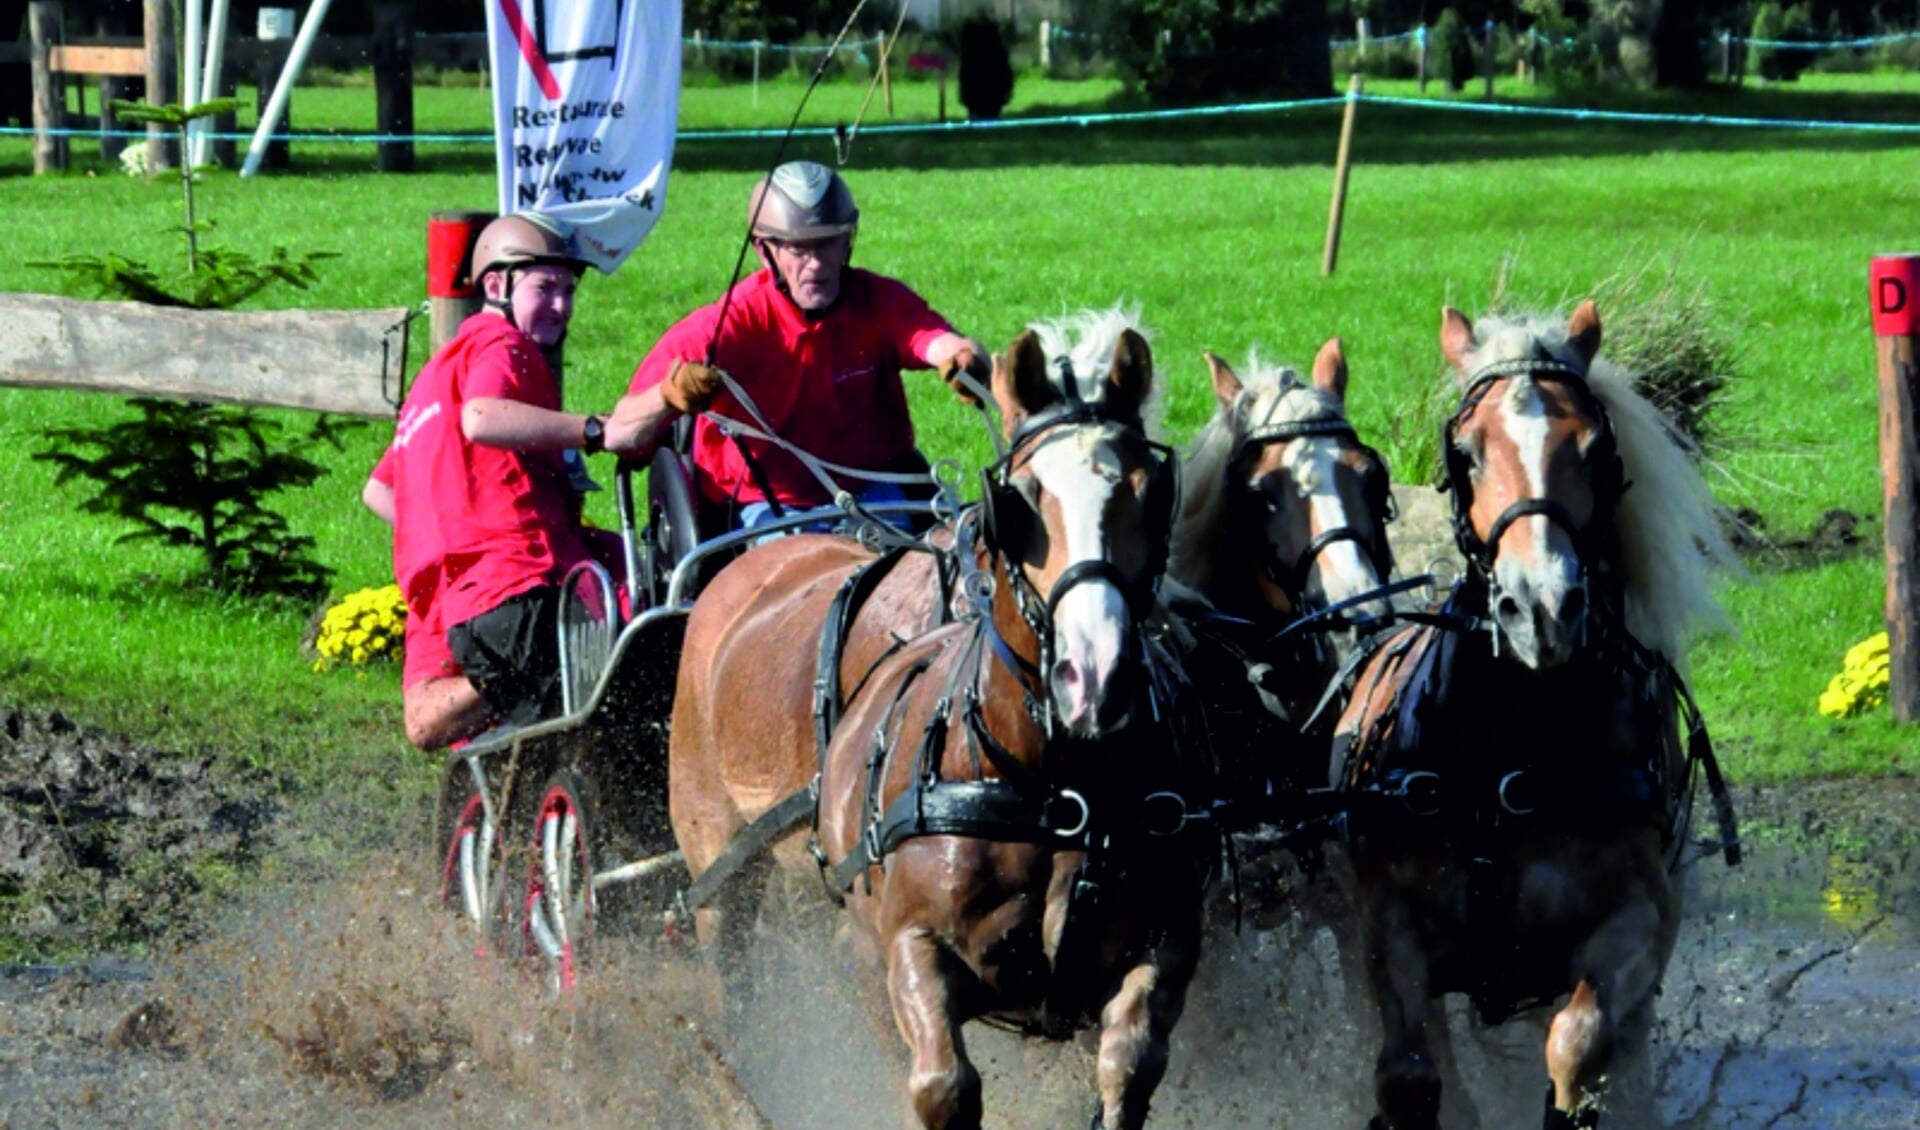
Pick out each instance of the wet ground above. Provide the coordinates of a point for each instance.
(334, 993)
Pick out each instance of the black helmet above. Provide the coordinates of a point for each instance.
(802, 200)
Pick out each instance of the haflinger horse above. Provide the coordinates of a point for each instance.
(1006, 804)
(1283, 516)
(1519, 789)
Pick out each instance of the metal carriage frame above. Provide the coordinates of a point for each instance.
(544, 829)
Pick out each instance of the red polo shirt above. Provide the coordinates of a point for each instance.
(474, 525)
(830, 385)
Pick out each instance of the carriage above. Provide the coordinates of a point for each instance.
(543, 825)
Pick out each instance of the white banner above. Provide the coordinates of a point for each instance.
(585, 96)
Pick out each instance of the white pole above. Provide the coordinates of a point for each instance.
(210, 80)
(283, 90)
(190, 81)
(756, 74)
(1046, 44)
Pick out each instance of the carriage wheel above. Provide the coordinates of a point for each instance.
(473, 882)
(673, 519)
(560, 902)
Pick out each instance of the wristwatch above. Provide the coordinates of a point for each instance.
(593, 435)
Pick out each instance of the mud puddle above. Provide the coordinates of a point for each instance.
(346, 997)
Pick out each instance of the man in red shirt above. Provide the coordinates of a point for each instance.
(816, 344)
(486, 522)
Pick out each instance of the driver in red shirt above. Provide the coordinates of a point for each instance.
(818, 345)
(485, 519)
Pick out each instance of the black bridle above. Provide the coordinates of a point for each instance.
(1593, 541)
(1009, 521)
(1291, 576)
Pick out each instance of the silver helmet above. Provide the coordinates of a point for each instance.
(802, 200)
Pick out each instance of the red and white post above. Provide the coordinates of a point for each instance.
(1896, 327)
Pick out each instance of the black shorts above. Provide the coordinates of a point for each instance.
(511, 653)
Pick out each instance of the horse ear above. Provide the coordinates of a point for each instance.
(1456, 338)
(1330, 369)
(1226, 384)
(1020, 384)
(1132, 373)
(1583, 330)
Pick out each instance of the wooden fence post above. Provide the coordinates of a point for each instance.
(111, 87)
(887, 44)
(1726, 56)
(942, 96)
(1046, 46)
(1420, 40)
(393, 85)
(162, 79)
(1337, 213)
(46, 28)
(451, 291)
(1896, 328)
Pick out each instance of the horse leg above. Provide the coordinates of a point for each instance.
(1457, 1104)
(1406, 1080)
(922, 979)
(1135, 1028)
(1611, 1008)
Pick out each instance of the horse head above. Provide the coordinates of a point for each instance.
(1536, 477)
(1080, 510)
(1279, 466)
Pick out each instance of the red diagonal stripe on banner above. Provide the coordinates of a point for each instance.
(530, 50)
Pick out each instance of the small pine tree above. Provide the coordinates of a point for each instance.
(197, 475)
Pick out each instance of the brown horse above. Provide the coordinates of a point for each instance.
(1519, 788)
(1003, 802)
(1283, 515)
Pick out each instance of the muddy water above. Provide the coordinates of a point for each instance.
(333, 999)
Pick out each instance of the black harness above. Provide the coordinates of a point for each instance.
(1617, 686)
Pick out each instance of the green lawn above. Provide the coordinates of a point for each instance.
(1213, 227)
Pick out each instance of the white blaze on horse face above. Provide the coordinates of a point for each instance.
(1081, 471)
(1539, 582)
(1340, 571)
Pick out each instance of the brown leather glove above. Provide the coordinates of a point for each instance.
(968, 362)
(690, 386)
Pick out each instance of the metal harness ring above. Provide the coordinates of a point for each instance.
(1080, 825)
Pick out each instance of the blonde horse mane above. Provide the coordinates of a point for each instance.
(1087, 340)
(1269, 394)
(1672, 538)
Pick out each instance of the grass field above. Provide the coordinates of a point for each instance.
(1213, 227)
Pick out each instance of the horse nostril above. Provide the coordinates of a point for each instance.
(1573, 606)
(1507, 608)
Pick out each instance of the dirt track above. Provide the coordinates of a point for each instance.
(344, 997)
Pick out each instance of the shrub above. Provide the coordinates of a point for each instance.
(1791, 25)
(1451, 55)
(1667, 334)
(1198, 51)
(986, 70)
